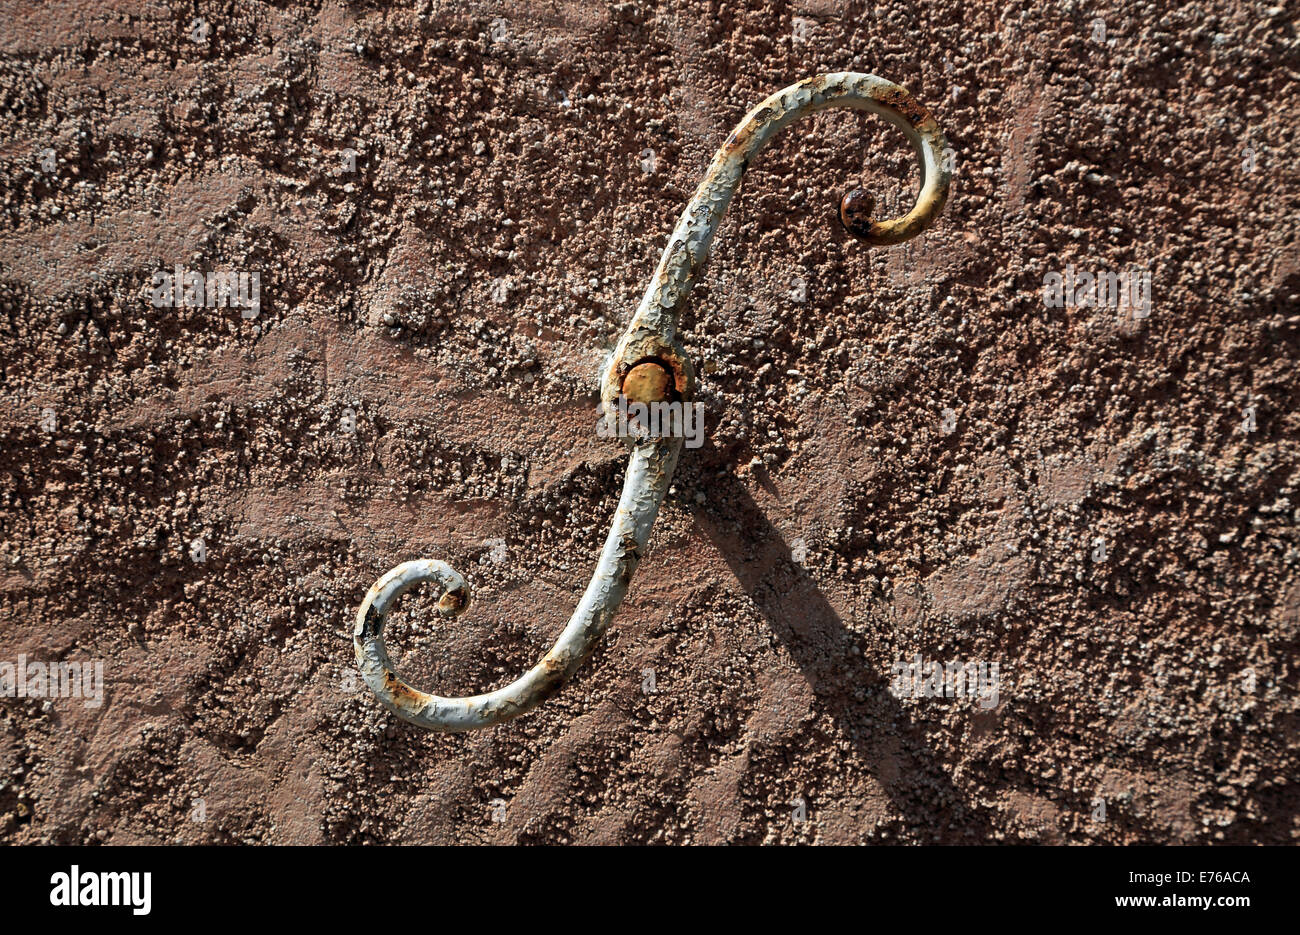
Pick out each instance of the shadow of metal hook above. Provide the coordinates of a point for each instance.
(649, 365)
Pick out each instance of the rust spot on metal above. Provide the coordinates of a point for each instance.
(373, 621)
(402, 693)
(900, 101)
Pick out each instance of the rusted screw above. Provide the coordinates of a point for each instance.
(647, 382)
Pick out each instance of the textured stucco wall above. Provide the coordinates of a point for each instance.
(452, 209)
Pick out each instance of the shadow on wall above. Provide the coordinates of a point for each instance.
(878, 727)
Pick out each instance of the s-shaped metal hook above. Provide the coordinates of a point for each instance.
(650, 365)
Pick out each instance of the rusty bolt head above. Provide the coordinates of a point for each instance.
(855, 212)
(647, 382)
